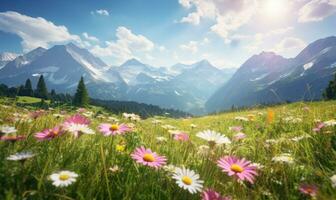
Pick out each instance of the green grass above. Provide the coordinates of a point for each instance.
(29, 100)
(91, 156)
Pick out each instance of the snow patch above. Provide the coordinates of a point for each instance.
(50, 69)
(57, 81)
(260, 77)
(332, 65)
(308, 66)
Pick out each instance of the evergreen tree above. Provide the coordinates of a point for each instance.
(21, 90)
(28, 88)
(41, 89)
(53, 96)
(81, 97)
(330, 91)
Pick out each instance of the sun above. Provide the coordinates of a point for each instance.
(275, 8)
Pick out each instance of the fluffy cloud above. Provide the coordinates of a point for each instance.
(100, 12)
(89, 37)
(229, 15)
(258, 39)
(126, 46)
(317, 10)
(34, 32)
(191, 47)
(290, 44)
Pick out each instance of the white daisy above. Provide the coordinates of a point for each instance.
(161, 139)
(7, 129)
(78, 129)
(193, 125)
(132, 116)
(244, 119)
(213, 137)
(203, 150)
(170, 168)
(156, 121)
(63, 178)
(284, 158)
(188, 180)
(167, 127)
(330, 123)
(333, 181)
(20, 156)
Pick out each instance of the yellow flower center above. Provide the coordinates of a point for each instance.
(186, 180)
(148, 157)
(114, 127)
(236, 168)
(64, 177)
(54, 132)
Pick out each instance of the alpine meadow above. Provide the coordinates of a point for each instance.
(168, 99)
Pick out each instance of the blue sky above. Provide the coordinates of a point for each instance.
(164, 32)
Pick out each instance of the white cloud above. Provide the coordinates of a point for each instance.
(317, 10)
(191, 47)
(100, 12)
(162, 48)
(34, 32)
(258, 39)
(127, 45)
(192, 18)
(228, 15)
(89, 37)
(290, 44)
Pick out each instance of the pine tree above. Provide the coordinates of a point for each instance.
(41, 89)
(28, 88)
(21, 90)
(81, 97)
(330, 91)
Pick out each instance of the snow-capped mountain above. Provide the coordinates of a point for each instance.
(6, 57)
(269, 78)
(132, 71)
(63, 65)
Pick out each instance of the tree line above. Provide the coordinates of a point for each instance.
(80, 99)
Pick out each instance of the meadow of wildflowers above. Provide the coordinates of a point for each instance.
(283, 152)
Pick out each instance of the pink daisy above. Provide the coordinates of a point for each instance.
(113, 129)
(210, 194)
(236, 128)
(240, 168)
(239, 136)
(36, 114)
(147, 157)
(319, 127)
(49, 134)
(181, 137)
(310, 190)
(12, 138)
(77, 119)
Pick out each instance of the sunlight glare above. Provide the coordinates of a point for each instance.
(275, 8)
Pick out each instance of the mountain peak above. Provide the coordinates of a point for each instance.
(315, 47)
(132, 61)
(203, 62)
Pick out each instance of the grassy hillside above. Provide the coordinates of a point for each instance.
(287, 154)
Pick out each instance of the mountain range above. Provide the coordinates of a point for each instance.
(184, 87)
(270, 78)
(196, 88)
